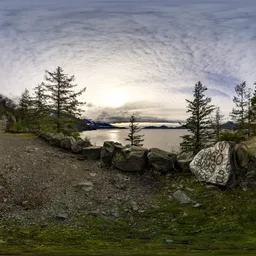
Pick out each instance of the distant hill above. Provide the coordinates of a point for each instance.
(229, 125)
(95, 125)
(163, 127)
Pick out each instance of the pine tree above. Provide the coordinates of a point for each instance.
(40, 105)
(198, 124)
(249, 112)
(62, 98)
(216, 122)
(240, 113)
(135, 140)
(25, 105)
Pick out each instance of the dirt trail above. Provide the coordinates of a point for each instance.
(38, 182)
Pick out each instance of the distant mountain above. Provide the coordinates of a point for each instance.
(163, 127)
(95, 125)
(229, 125)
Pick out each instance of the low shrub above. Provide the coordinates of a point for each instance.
(232, 136)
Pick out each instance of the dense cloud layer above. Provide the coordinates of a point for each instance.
(146, 54)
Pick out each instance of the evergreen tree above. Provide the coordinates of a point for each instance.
(249, 112)
(216, 122)
(240, 113)
(135, 140)
(25, 105)
(40, 105)
(62, 98)
(198, 124)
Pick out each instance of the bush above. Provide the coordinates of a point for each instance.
(17, 127)
(232, 136)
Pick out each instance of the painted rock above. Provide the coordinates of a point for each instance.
(213, 165)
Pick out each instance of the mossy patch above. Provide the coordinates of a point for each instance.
(225, 223)
(19, 135)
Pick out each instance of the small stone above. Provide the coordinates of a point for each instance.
(197, 205)
(189, 189)
(116, 214)
(101, 164)
(185, 214)
(93, 174)
(182, 197)
(170, 197)
(134, 206)
(86, 186)
(62, 216)
(141, 211)
(168, 241)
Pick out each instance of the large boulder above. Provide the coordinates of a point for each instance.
(184, 160)
(161, 160)
(79, 145)
(224, 164)
(108, 150)
(130, 159)
(91, 153)
(56, 139)
(67, 142)
(46, 136)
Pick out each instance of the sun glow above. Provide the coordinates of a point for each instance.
(116, 98)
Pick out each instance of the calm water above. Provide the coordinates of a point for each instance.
(168, 140)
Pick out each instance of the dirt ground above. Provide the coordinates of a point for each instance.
(39, 182)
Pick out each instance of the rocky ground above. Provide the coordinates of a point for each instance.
(40, 182)
(53, 201)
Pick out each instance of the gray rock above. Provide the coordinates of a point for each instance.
(134, 206)
(56, 139)
(92, 153)
(185, 214)
(162, 161)
(168, 241)
(93, 174)
(197, 205)
(184, 160)
(116, 214)
(67, 142)
(86, 186)
(108, 150)
(79, 145)
(62, 216)
(46, 136)
(130, 160)
(182, 197)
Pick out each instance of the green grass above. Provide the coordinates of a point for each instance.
(225, 225)
(18, 135)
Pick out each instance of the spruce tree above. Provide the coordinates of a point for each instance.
(62, 99)
(216, 122)
(240, 113)
(40, 105)
(198, 124)
(25, 106)
(135, 140)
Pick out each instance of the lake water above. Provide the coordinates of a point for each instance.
(168, 140)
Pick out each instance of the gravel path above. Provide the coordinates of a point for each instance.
(39, 182)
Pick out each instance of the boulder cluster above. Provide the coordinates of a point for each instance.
(224, 164)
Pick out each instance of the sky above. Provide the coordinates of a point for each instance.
(138, 57)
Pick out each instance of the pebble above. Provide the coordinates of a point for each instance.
(168, 241)
(62, 216)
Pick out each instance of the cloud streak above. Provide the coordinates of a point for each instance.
(147, 51)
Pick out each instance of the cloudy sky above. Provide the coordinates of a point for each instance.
(134, 56)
